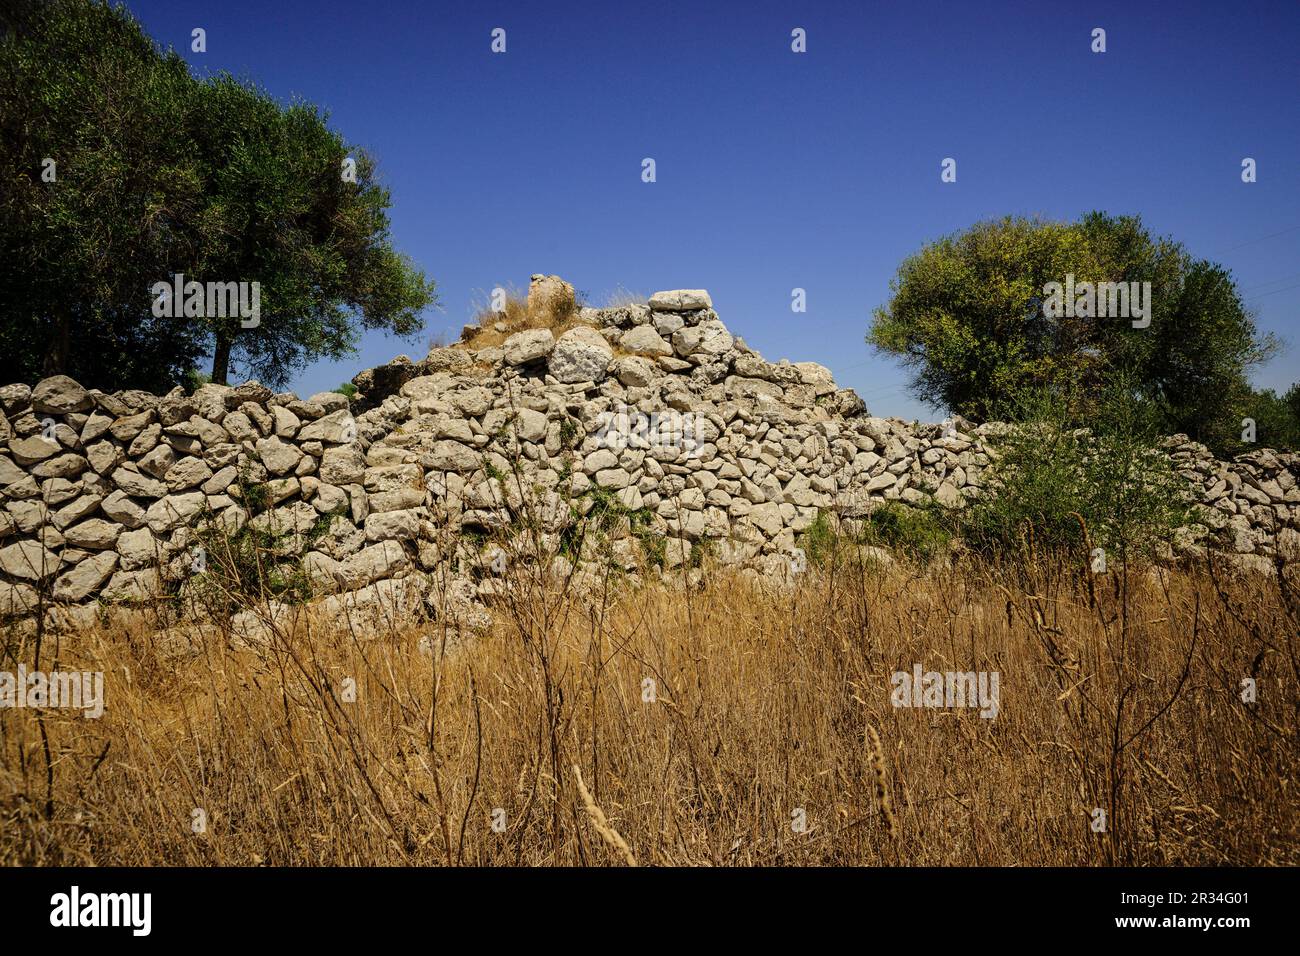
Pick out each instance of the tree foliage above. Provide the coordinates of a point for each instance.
(81, 86)
(158, 172)
(1276, 418)
(967, 316)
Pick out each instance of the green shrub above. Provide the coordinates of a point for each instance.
(1050, 481)
(819, 541)
(254, 563)
(920, 532)
(701, 551)
(604, 516)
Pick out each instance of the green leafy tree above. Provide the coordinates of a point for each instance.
(1276, 418)
(159, 173)
(94, 193)
(278, 208)
(1292, 400)
(967, 316)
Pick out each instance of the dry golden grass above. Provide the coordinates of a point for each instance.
(622, 297)
(693, 726)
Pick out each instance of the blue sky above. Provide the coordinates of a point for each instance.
(779, 170)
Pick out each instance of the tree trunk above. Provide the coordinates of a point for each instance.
(60, 348)
(221, 360)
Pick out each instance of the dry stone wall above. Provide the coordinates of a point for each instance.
(657, 409)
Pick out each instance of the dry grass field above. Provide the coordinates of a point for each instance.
(728, 722)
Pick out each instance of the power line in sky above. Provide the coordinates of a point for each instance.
(1249, 242)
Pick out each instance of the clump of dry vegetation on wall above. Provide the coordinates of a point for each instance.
(492, 325)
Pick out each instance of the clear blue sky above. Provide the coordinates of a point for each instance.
(779, 170)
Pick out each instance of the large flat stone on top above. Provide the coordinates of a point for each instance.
(681, 300)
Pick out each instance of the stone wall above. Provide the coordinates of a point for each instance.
(657, 410)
